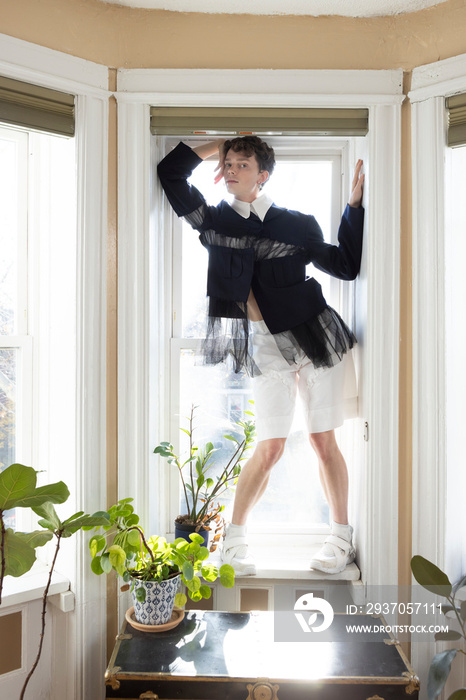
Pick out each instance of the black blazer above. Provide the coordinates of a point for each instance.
(268, 256)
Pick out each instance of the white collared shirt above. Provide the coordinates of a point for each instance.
(259, 206)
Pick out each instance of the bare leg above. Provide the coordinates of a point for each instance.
(254, 477)
(333, 474)
(337, 551)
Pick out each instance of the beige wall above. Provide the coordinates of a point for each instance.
(123, 37)
(120, 36)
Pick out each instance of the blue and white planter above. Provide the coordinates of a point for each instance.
(160, 598)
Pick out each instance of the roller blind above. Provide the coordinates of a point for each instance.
(35, 107)
(456, 106)
(212, 120)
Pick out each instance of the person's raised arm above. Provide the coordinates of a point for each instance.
(342, 260)
(209, 149)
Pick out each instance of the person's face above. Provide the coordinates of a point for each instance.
(242, 176)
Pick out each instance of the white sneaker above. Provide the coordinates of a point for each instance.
(234, 551)
(334, 556)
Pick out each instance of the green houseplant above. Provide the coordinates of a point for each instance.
(18, 489)
(430, 577)
(202, 488)
(148, 564)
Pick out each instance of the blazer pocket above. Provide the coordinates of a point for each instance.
(230, 272)
(288, 271)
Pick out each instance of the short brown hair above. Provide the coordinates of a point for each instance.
(253, 146)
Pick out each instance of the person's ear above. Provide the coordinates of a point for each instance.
(263, 177)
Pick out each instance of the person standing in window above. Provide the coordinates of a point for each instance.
(274, 322)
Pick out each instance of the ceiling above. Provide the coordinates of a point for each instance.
(348, 8)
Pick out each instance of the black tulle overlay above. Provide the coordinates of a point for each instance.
(324, 338)
(227, 337)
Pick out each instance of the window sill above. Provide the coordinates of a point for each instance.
(291, 565)
(31, 585)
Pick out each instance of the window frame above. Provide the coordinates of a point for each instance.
(143, 326)
(431, 84)
(88, 81)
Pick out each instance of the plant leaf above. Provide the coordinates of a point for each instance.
(227, 576)
(430, 576)
(451, 635)
(133, 538)
(47, 511)
(446, 608)
(105, 563)
(96, 544)
(188, 570)
(19, 555)
(209, 573)
(203, 554)
(459, 584)
(73, 517)
(96, 566)
(34, 539)
(205, 591)
(140, 594)
(117, 556)
(180, 600)
(438, 672)
(459, 694)
(54, 493)
(84, 521)
(194, 584)
(463, 610)
(16, 482)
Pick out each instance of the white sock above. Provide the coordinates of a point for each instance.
(343, 531)
(236, 531)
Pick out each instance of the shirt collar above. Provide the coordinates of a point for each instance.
(259, 206)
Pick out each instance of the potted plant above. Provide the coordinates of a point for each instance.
(152, 568)
(202, 488)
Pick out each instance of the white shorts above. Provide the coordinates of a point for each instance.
(328, 395)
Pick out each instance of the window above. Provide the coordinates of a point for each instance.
(455, 338)
(15, 345)
(37, 299)
(308, 177)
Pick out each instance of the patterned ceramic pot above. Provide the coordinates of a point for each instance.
(160, 599)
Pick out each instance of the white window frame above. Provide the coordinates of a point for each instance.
(286, 148)
(431, 84)
(143, 280)
(85, 635)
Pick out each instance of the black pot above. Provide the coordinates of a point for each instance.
(183, 530)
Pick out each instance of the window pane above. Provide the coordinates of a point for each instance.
(10, 207)
(293, 494)
(8, 400)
